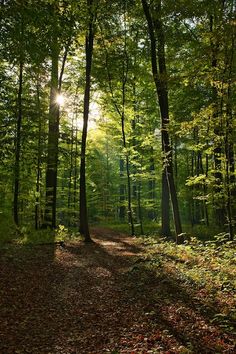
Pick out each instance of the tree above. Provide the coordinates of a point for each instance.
(84, 228)
(54, 109)
(155, 28)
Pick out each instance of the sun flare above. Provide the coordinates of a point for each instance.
(60, 100)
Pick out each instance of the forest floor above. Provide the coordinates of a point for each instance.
(102, 298)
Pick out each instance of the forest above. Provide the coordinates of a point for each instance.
(117, 140)
(118, 112)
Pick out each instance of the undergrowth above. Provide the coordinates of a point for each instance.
(25, 235)
(206, 269)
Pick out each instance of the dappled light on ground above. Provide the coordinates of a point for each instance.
(102, 298)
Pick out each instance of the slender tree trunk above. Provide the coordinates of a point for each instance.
(229, 168)
(152, 214)
(129, 194)
(106, 196)
(122, 192)
(84, 227)
(205, 192)
(75, 192)
(160, 80)
(230, 171)
(130, 213)
(219, 203)
(140, 213)
(39, 161)
(70, 173)
(18, 147)
(121, 113)
(53, 136)
(229, 144)
(165, 206)
(124, 82)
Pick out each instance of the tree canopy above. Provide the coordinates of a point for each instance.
(143, 132)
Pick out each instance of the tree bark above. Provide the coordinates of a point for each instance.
(218, 195)
(165, 206)
(53, 136)
(18, 146)
(39, 161)
(160, 79)
(84, 227)
(122, 192)
(127, 164)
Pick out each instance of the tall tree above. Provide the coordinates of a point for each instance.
(156, 33)
(54, 111)
(53, 136)
(18, 145)
(84, 227)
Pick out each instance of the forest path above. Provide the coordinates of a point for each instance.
(94, 299)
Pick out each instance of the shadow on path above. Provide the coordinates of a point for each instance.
(93, 299)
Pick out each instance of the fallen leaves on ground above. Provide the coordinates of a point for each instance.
(101, 298)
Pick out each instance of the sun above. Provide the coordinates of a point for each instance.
(60, 100)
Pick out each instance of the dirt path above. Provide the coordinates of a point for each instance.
(90, 299)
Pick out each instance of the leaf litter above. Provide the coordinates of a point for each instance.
(104, 297)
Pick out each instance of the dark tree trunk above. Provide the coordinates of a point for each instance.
(84, 227)
(75, 192)
(165, 207)
(18, 147)
(152, 214)
(127, 163)
(230, 177)
(70, 173)
(121, 113)
(122, 192)
(219, 200)
(229, 153)
(39, 162)
(129, 194)
(230, 157)
(140, 214)
(130, 213)
(160, 80)
(53, 136)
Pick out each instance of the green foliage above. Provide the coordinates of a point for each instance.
(199, 55)
(7, 229)
(205, 269)
(209, 264)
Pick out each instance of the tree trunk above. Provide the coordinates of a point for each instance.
(160, 80)
(219, 200)
(130, 213)
(165, 207)
(124, 82)
(18, 147)
(75, 192)
(140, 214)
(70, 178)
(53, 136)
(39, 162)
(122, 192)
(152, 214)
(84, 227)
